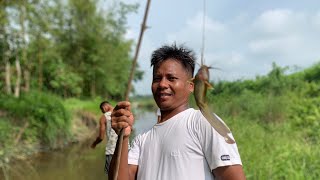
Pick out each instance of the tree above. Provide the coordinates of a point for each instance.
(87, 46)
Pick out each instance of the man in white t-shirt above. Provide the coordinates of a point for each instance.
(106, 130)
(183, 145)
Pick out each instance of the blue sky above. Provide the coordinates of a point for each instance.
(243, 37)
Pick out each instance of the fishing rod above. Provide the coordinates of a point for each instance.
(134, 63)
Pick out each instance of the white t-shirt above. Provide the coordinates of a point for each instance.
(112, 137)
(181, 148)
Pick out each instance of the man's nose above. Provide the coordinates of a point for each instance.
(163, 82)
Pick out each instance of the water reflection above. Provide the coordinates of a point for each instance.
(144, 121)
(77, 162)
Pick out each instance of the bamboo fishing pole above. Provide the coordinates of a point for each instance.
(134, 63)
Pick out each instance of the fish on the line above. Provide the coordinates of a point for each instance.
(201, 85)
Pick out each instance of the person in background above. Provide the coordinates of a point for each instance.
(106, 130)
(183, 145)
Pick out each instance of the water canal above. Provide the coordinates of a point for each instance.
(77, 162)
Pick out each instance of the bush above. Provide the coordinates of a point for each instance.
(6, 133)
(252, 105)
(47, 118)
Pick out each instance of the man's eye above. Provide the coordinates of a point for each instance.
(172, 78)
(156, 79)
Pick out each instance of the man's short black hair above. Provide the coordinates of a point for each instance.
(182, 54)
(103, 103)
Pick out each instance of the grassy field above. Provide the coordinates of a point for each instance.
(274, 151)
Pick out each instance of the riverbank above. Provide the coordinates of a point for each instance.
(83, 129)
(43, 123)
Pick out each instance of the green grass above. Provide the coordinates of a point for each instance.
(91, 105)
(72, 104)
(273, 151)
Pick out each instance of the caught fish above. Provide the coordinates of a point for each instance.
(201, 85)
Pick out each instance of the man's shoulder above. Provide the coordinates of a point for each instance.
(103, 118)
(193, 114)
(188, 112)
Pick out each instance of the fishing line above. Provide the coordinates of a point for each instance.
(203, 31)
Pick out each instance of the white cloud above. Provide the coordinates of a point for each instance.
(191, 33)
(274, 45)
(285, 36)
(280, 22)
(196, 23)
(274, 21)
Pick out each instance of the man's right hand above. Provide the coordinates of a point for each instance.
(122, 117)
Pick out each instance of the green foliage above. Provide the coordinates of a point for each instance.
(6, 133)
(275, 120)
(91, 105)
(312, 74)
(275, 152)
(48, 120)
(306, 117)
(96, 48)
(255, 106)
(63, 81)
(74, 49)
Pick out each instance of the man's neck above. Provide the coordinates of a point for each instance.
(165, 115)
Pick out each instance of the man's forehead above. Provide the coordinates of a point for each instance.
(168, 70)
(170, 73)
(175, 67)
(167, 73)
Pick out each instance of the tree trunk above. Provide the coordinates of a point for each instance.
(7, 74)
(18, 81)
(26, 70)
(40, 80)
(26, 76)
(93, 88)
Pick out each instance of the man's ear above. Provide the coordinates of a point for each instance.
(191, 86)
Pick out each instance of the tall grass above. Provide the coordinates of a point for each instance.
(273, 151)
(272, 143)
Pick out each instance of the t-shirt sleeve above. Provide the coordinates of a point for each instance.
(216, 150)
(134, 151)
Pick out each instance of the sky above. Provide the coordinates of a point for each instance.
(242, 37)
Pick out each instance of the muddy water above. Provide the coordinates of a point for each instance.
(77, 162)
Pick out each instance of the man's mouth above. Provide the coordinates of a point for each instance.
(165, 94)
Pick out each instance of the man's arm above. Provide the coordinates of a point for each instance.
(102, 131)
(124, 166)
(122, 118)
(133, 169)
(233, 172)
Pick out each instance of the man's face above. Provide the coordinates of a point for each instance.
(170, 85)
(106, 108)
